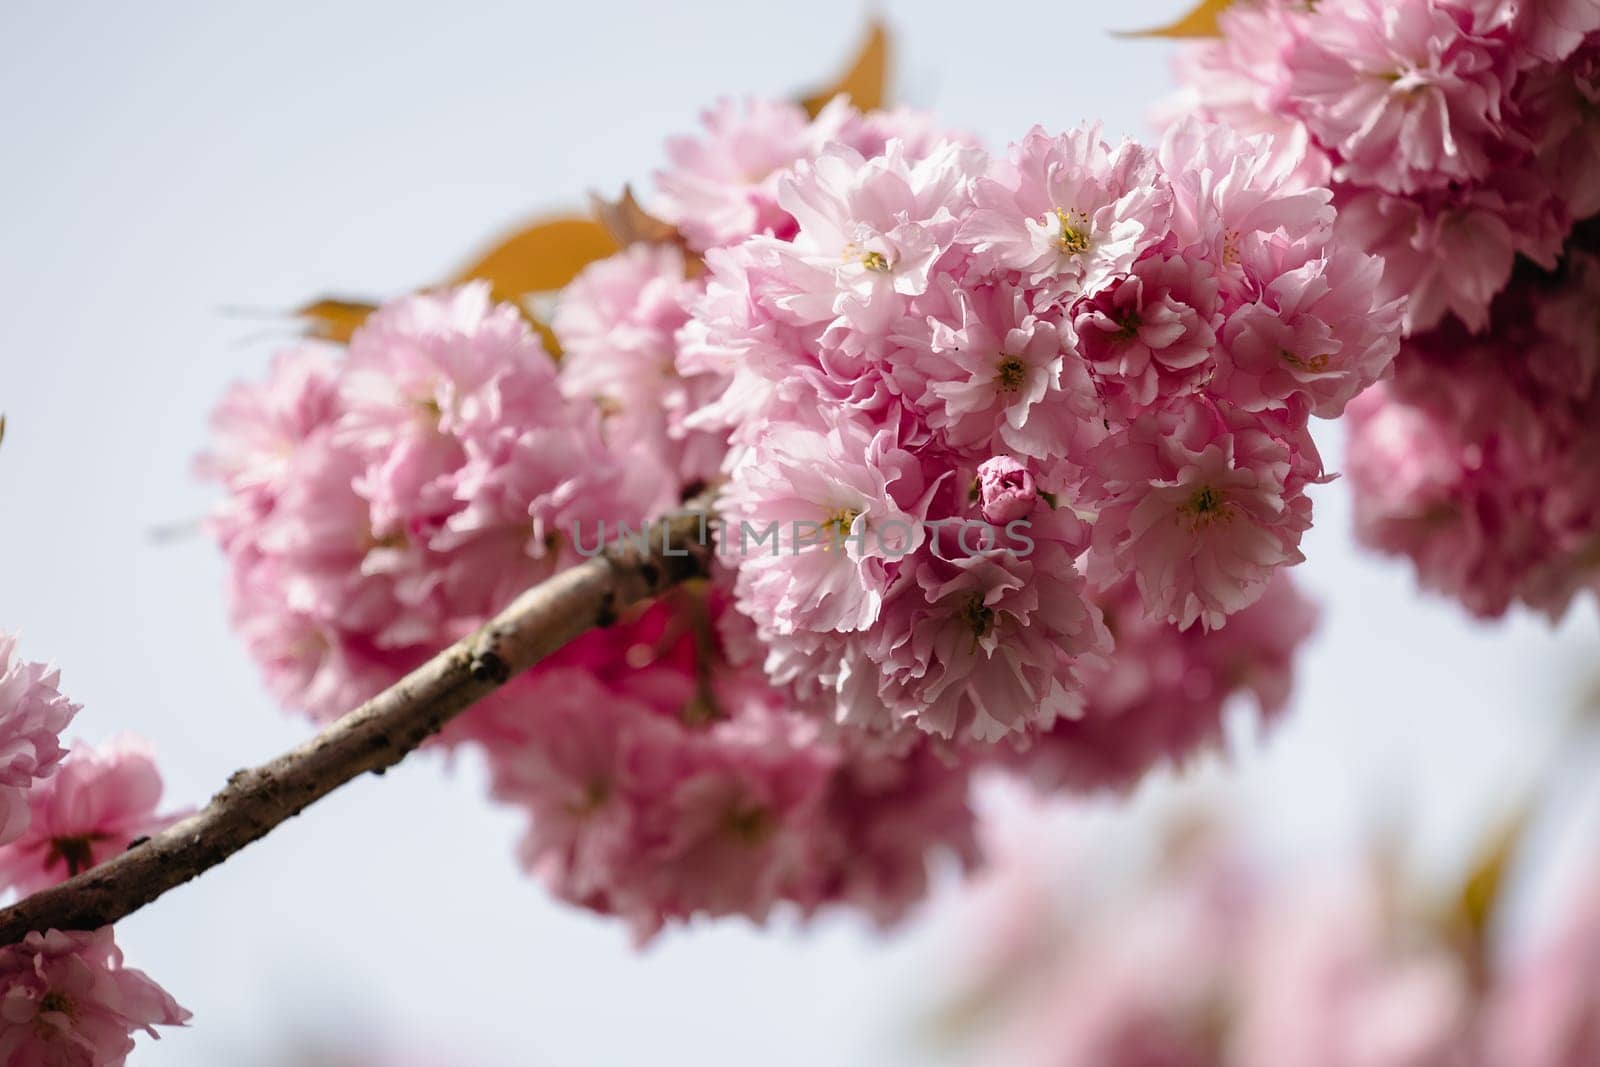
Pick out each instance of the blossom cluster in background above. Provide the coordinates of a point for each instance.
(865, 326)
(1209, 958)
(65, 997)
(1462, 139)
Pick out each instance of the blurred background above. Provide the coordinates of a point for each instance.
(174, 174)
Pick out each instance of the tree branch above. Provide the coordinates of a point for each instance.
(376, 735)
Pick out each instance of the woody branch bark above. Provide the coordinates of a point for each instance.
(376, 735)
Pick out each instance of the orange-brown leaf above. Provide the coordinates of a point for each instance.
(866, 80)
(1200, 22)
(1480, 894)
(541, 257)
(546, 335)
(334, 319)
(628, 223)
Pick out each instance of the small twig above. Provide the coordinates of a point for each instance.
(376, 735)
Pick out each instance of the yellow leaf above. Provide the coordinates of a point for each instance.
(334, 319)
(1481, 892)
(1470, 913)
(540, 258)
(1200, 22)
(866, 80)
(546, 335)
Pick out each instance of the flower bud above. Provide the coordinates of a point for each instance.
(1005, 489)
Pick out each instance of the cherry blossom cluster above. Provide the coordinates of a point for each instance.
(383, 501)
(65, 997)
(1015, 407)
(1113, 350)
(1212, 959)
(1477, 460)
(1163, 693)
(1462, 140)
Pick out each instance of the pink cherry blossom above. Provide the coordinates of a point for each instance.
(595, 751)
(1235, 200)
(1330, 980)
(617, 323)
(1068, 212)
(1566, 356)
(258, 427)
(989, 644)
(918, 133)
(1552, 29)
(1448, 256)
(1238, 80)
(1545, 1011)
(33, 713)
(1203, 955)
(1161, 696)
(1200, 505)
(842, 509)
(86, 813)
(657, 803)
(1118, 975)
(435, 386)
(1315, 335)
(871, 232)
(997, 376)
(722, 187)
(888, 819)
(1405, 96)
(1559, 101)
(66, 999)
(1152, 334)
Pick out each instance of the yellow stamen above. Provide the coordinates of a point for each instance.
(594, 797)
(751, 825)
(978, 616)
(1074, 236)
(1316, 364)
(1230, 249)
(838, 525)
(1010, 373)
(1205, 507)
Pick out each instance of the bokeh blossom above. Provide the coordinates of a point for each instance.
(1462, 140)
(1204, 954)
